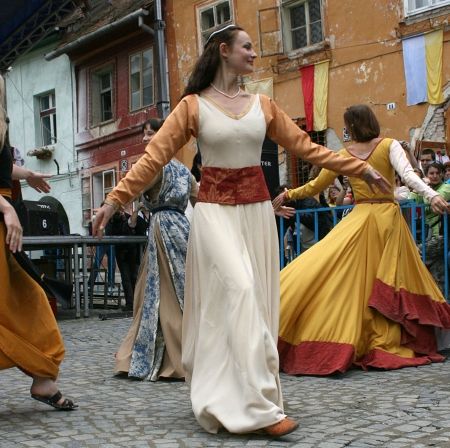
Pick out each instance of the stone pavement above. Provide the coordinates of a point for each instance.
(403, 408)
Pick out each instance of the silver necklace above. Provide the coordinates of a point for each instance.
(232, 97)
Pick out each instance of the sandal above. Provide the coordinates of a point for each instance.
(66, 405)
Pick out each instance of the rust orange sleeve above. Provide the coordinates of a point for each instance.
(176, 131)
(282, 130)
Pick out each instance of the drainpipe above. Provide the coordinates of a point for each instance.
(162, 103)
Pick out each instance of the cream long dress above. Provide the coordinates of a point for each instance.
(230, 319)
(230, 322)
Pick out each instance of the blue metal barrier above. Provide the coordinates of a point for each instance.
(410, 211)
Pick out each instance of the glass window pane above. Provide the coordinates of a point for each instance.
(147, 78)
(54, 128)
(135, 82)
(299, 39)
(147, 96)
(46, 130)
(106, 106)
(135, 63)
(316, 32)
(223, 13)
(297, 16)
(135, 100)
(314, 10)
(207, 19)
(45, 102)
(147, 59)
(105, 81)
(108, 179)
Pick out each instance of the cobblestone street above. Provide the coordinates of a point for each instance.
(404, 408)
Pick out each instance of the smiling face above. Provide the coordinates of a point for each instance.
(241, 55)
(434, 175)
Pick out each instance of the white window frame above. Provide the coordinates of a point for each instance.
(96, 115)
(49, 112)
(432, 4)
(141, 84)
(98, 186)
(286, 6)
(203, 34)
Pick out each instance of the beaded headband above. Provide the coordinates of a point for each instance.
(214, 33)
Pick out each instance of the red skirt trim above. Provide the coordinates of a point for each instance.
(232, 186)
(417, 314)
(315, 358)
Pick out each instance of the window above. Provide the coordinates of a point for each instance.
(141, 79)
(47, 119)
(418, 6)
(102, 184)
(303, 23)
(86, 200)
(298, 169)
(102, 98)
(213, 16)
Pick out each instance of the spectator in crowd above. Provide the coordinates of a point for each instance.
(447, 172)
(102, 250)
(435, 174)
(401, 191)
(427, 156)
(127, 255)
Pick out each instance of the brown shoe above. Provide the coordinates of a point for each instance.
(283, 427)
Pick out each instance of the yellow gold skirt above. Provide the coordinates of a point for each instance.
(361, 296)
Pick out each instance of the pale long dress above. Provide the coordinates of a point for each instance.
(231, 313)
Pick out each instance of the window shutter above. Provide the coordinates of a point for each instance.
(270, 35)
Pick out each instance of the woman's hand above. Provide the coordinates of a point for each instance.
(440, 205)
(279, 200)
(285, 212)
(38, 181)
(102, 218)
(13, 229)
(374, 179)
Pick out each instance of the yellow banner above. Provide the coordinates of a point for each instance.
(320, 95)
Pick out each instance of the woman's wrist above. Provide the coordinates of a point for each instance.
(111, 204)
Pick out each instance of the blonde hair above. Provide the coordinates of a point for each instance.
(3, 123)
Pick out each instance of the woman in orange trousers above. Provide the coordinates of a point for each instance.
(29, 335)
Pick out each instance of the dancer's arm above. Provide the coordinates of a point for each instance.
(13, 227)
(313, 187)
(282, 130)
(35, 180)
(176, 131)
(401, 164)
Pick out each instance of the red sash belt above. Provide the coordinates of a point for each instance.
(233, 186)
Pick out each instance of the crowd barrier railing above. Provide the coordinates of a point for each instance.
(413, 213)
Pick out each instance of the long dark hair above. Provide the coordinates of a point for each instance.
(362, 123)
(207, 64)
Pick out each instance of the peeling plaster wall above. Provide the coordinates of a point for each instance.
(366, 60)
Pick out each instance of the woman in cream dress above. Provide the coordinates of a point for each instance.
(362, 295)
(230, 320)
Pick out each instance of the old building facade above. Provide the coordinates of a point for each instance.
(360, 41)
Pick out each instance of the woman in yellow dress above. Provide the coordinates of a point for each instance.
(362, 296)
